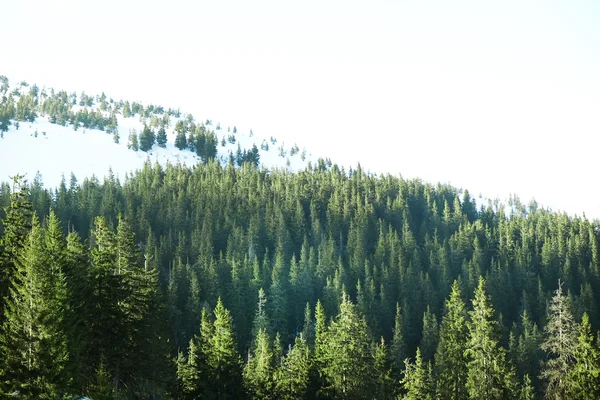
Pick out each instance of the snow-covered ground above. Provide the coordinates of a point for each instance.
(54, 151)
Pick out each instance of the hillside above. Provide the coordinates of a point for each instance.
(49, 131)
(204, 275)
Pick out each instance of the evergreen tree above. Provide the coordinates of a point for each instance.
(223, 358)
(33, 343)
(132, 144)
(559, 343)
(582, 379)
(292, 378)
(16, 225)
(347, 361)
(147, 139)
(429, 340)
(398, 348)
(161, 137)
(418, 380)
(450, 358)
(258, 373)
(488, 374)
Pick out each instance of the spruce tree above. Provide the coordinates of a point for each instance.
(33, 343)
(418, 380)
(489, 377)
(161, 137)
(292, 378)
(258, 372)
(347, 361)
(398, 347)
(582, 379)
(450, 358)
(430, 337)
(16, 226)
(223, 359)
(559, 344)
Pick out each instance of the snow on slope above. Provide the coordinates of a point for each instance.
(54, 151)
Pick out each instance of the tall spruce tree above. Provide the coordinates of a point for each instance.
(33, 343)
(559, 343)
(347, 361)
(292, 378)
(223, 359)
(583, 379)
(450, 359)
(259, 370)
(489, 377)
(16, 226)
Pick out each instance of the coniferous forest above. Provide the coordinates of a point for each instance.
(226, 282)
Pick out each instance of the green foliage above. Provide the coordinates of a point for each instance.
(489, 377)
(582, 379)
(259, 370)
(147, 139)
(418, 379)
(169, 242)
(559, 343)
(161, 137)
(292, 378)
(32, 341)
(132, 144)
(450, 358)
(347, 358)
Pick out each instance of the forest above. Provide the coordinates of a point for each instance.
(237, 282)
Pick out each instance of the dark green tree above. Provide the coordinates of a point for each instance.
(450, 358)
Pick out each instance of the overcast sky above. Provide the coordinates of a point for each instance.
(497, 97)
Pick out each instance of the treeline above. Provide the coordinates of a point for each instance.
(224, 282)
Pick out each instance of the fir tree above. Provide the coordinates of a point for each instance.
(33, 343)
(582, 379)
(418, 380)
(347, 361)
(488, 374)
(292, 378)
(223, 358)
(559, 343)
(450, 358)
(161, 137)
(258, 373)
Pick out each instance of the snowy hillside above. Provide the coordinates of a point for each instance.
(55, 150)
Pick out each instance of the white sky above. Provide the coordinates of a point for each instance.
(496, 97)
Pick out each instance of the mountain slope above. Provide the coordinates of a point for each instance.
(56, 142)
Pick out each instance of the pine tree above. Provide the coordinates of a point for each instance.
(261, 320)
(347, 361)
(418, 380)
(398, 348)
(33, 344)
(450, 358)
(258, 373)
(582, 379)
(161, 137)
(559, 343)
(223, 358)
(488, 374)
(16, 227)
(429, 340)
(292, 378)
(383, 368)
(147, 139)
(132, 144)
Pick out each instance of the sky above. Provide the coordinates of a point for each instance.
(495, 97)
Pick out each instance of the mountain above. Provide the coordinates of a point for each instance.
(58, 133)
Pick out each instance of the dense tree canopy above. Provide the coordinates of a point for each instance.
(225, 282)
